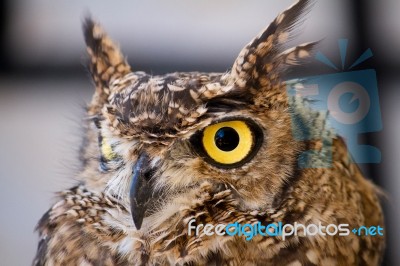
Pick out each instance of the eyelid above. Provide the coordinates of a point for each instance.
(96, 119)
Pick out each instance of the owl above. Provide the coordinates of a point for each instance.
(163, 154)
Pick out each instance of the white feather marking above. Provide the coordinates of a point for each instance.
(175, 88)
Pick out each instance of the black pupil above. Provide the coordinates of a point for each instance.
(226, 139)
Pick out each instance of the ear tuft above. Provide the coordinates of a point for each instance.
(296, 55)
(106, 62)
(262, 58)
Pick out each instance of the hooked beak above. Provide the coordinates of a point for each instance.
(141, 189)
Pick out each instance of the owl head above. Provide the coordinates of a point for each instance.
(214, 146)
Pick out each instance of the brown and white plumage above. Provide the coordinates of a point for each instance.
(145, 175)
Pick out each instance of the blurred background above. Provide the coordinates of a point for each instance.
(44, 84)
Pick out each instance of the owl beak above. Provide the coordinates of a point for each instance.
(140, 190)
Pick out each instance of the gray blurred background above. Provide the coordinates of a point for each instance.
(44, 83)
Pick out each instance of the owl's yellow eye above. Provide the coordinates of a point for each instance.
(230, 143)
(107, 151)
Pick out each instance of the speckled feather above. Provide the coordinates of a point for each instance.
(91, 223)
